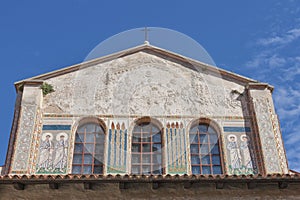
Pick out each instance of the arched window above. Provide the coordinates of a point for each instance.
(89, 149)
(205, 149)
(146, 153)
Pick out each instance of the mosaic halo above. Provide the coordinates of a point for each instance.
(231, 135)
(62, 134)
(242, 136)
(45, 134)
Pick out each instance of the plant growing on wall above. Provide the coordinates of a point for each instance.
(47, 88)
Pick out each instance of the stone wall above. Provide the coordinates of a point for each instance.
(145, 191)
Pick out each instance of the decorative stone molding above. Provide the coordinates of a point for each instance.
(278, 139)
(24, 140)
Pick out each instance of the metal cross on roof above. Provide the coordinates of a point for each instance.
(146, 29)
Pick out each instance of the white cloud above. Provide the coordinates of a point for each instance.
(290, 73)
(293, 139)
(257, 61)
(276, 61)
(287, 102)
(284, 39)
(267, 59)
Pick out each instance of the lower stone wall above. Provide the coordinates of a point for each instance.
(146, 191)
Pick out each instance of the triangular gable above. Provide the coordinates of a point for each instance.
(146, 48)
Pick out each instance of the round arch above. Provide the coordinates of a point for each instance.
(89, 135)
(89, 119)
(204, 120)
(146, 119)
(146, 146)
(205, 147)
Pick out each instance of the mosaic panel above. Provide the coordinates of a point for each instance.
(35, 141)
(176, 148)
(239, 153)
(117, 147)
(53, 152)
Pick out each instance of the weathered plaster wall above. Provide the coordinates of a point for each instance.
(144, 84)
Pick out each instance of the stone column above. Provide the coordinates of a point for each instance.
(267, 129)
(28, 126)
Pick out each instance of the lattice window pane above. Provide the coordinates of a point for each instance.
(217, 170)
(156, 138)
(88, 159)
(147, 158)
(77, 159)
(195, 170)
(76, 170)
(136, 148)
(78, 148)
(194, 148)
(146, 149)
(156, 148)
(204, 149)
(214, 149)
(202, 128)
(98, 170)
(90, 138)
(205, 160)
(206, 170)
(135, 159)
(87, 169)
(213, 139)
(203, 138)
(79, 138)
(89, 149)
(156, 158)
(195, 160)
(216, 160)
(194, 138)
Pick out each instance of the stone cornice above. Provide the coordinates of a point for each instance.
(28, 82)
(260, 86)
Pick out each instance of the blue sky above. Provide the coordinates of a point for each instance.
(257, 39)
